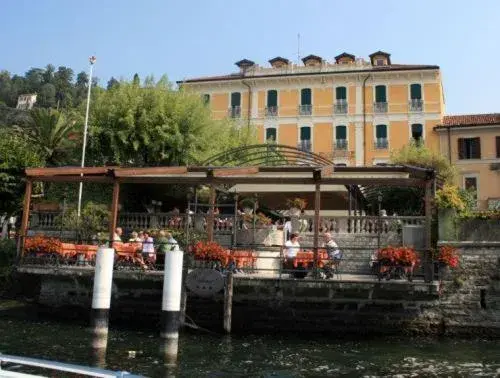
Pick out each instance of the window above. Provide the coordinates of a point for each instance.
(341, 137)
(380, 93)
(235, 99)
(380, 62)
(416, 92)
(235, 110)
(341, 93)
(305, 138)
(270, 134)
(305, 107)
(469, 148)
(417, 132)
(272, 103)
(470, 184)
(206, 99)
(381, 137)
(498, 146)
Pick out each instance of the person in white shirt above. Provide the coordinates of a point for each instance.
(334, 255)
(292, 246)
(148, 248)
(287, 228)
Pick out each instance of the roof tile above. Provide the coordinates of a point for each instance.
(471, 119)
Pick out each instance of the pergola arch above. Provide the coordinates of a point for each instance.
(266, 155)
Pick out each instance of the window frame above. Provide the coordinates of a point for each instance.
(310, 96)
(411, 130)
(267, 98)
(231, 99)
(462, 152)
(375, 86)
(469, 176)
(275, 133)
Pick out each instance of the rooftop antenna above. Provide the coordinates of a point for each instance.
(298, 48)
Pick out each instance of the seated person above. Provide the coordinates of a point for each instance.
(148, 248)
(334, 254)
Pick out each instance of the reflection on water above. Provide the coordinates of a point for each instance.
(256, 356)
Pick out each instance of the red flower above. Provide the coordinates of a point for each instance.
(210, 251)
(447, 255)
(398, 256)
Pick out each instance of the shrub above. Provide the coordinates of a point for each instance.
(397, 256)
(447, 255)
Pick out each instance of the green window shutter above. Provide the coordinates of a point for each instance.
(380, 93)
(272, 98)
(498, 146)
(462, 148)
(271, 134)
(305, 133)
(341, 93)
(341, 132)
(305, 96)
(381, 132)
(416, 92)
(476, 148)
(417, 128)
(236, 99)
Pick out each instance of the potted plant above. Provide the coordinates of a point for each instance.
(211, 252)
(445, 257)
(396, 262)
(296, 205)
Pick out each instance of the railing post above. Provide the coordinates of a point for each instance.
(114, 212)
(26, 217)
(317, 205)
(428, 268)
(211, 218)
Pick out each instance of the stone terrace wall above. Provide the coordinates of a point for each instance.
(470, 297)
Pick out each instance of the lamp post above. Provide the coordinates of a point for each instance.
(379, 226)
(92, 60)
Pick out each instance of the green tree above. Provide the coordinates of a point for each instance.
(16, 154)
(63, 81)
(47, 130)
(47, 96)
(155, 125)
(112, 83)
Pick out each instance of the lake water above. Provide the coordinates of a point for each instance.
(213, 355)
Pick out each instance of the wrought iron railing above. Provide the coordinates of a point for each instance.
(340, 107)
(272, 111)
(416, 105)
(381, 143)
(234, 112)
(305, 109)
(305, 145)
(380, 107)
(341, 144)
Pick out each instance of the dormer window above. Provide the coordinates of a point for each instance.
(279, 62)
(312, 60)
(345, 58)
(380, 58)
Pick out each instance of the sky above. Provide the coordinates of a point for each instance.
(190, 38)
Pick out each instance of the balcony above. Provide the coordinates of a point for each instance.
(381, 144)
(305, 145)
(380, 107)
(305, 109)
(340, 107)
(272, 111)
(341, 144)
(416, 105)
(234, 112)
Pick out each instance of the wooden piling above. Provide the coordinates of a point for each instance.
(228, 302)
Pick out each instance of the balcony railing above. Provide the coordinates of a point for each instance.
(271, 111)
(341, 144)
(234, 112)
(340, 107)
(305, 109)
(381, 143)
(305, 145)
(416, 105)
(380, 107)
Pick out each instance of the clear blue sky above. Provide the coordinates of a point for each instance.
(186, 38)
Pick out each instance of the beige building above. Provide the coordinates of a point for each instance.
(26, 101)
(472, 144)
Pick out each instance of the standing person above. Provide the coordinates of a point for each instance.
(287, 228)
(148, 248)
(334, 255)
(292, 247)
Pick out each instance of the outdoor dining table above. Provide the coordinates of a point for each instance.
(306, 258)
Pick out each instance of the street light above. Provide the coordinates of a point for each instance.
(92, 60)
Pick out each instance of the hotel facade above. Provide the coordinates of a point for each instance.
(352, 111)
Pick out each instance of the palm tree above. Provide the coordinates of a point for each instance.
(48, 129)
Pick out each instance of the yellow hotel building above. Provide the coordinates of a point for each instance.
(353, 111)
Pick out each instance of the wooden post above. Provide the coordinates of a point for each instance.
(317, 205)
(114, 212)
(211, 218)
(428, 268)
(349, 220)
(228, 302)
(236, 221)
(26, 216)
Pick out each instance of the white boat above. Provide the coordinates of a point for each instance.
(10, 364)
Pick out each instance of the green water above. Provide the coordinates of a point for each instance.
(215, 355)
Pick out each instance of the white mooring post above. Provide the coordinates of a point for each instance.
(101, 297)
(171, 304)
